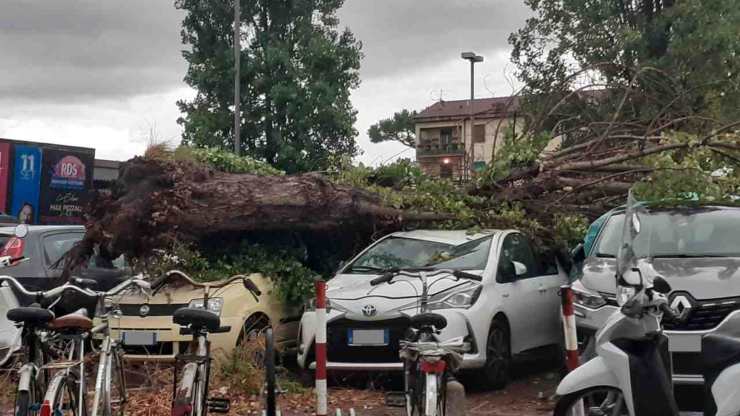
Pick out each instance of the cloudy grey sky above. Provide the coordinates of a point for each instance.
(103, 73)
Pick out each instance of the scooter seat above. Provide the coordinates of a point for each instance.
(428, 319)
(197, 319)
(76, 321)
(31, 315)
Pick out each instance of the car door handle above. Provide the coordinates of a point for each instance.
(542, 289)
(505, 295)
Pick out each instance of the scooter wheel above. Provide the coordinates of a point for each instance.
(592, 402)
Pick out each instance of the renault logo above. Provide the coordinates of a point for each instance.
(369, 310)
(682, 305)
(144, 310)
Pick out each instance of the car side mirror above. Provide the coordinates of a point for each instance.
(21, 230)
(578, 254)
(519, 269)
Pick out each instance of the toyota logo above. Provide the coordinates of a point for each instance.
(369, 310)
(682, 305)
(144, 310)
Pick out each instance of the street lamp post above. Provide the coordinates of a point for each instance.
(473, 58)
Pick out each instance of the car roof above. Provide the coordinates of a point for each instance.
(454, 237)
(32, 229)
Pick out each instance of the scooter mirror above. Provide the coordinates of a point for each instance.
(661, 286)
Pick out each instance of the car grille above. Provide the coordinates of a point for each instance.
(162, 309)
(338, 349)
(160, 348)
(704, 315)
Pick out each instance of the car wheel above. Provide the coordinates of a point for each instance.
(253, 328)
(495, 374)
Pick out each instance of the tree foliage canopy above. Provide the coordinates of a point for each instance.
(694, 44)
(400, 128)
(297, 71)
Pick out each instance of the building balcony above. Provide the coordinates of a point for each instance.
(440, 150)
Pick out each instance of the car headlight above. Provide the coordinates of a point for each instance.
(461, 299)
(624, 294)
(214, 304)
(587, 298)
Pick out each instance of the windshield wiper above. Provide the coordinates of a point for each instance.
(365, 269)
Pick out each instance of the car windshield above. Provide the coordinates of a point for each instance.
(696, 232)
(472, 255)
(398, 252)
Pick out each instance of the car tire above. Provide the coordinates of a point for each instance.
(495, 373)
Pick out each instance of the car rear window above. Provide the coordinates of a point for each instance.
(57, 245)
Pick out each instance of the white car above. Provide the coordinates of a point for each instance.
(515, 308)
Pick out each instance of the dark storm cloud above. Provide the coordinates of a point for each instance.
(81, 49)
(406, 35)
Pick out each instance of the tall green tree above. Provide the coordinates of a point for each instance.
(399, 128)
(297, 71)
(662, 48)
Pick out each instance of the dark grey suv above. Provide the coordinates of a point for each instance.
(696, 248)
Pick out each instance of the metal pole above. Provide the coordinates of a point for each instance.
(472, 120)
(572, 360)
(321, 395)
(237, 67)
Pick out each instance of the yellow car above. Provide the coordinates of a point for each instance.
(146, 330)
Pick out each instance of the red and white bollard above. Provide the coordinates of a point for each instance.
(572, 360)
(321, 395)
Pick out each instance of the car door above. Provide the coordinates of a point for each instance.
(522, 295)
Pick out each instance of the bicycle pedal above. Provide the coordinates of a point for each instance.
(395, 399)
(217, 405)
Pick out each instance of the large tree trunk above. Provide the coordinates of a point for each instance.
(158, 201)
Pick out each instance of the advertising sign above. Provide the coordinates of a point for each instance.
(66, 186)
(26, 183)
(4, 175)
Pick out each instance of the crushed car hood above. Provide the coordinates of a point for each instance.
(702, 277)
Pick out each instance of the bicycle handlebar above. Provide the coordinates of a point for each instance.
(49, 294)
(389, 275)
(248, 284)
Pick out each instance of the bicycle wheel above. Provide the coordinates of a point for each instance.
(270, 383)
(28, 395)
(61, 398)
(190, 398)
(110, 386)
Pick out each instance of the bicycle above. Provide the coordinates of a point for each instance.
(110, 383)
(429, 364)
(35, 339)
(190, 396)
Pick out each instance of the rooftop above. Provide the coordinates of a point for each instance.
(482, 107)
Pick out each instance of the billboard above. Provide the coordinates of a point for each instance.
(66, 183)
(26, 183)
(4, 175)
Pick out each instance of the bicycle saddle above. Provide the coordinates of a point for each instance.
(32, 315)
(428, 319)
(197, 319)
(77, 320)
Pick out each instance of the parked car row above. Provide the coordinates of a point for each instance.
(515, 308)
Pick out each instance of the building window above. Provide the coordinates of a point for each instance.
(445, 136)
(479, 133)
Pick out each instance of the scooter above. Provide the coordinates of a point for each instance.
(631, 374)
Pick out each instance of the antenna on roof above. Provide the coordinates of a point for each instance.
(434, 97)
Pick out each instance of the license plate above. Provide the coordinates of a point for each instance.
(139, 338)
(360, 337)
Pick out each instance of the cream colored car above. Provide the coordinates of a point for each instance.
(147, 332)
